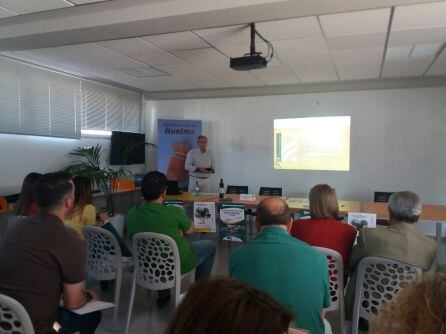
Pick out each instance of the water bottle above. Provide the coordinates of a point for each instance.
(221, 194)
(197, 189)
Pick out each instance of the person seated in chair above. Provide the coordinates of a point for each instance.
(292, 272)
(153, 216)
(400, 241)
(324, 229)
(41, 260)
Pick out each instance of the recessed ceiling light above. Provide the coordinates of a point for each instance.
(145, 71)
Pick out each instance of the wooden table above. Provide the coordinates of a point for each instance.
(435, 214)
(295, 204)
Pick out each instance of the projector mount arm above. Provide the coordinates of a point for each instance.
(253, 52)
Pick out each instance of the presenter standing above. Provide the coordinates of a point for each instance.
(200, 164)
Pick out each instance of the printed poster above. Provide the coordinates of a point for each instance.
(232, 222)
(204, 217)
(175, 139)
(359, 220)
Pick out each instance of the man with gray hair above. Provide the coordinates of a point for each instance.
(399, 241)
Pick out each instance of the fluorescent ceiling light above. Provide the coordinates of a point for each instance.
(101, 133)
(143, 72)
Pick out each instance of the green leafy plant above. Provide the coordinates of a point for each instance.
(88, 164)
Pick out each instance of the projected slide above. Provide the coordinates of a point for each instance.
(314, 143)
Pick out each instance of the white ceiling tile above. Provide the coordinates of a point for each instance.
(438, 68)
(357, 71)
(430, 15)
(129, 46)
(158, 58)
(196, 56)
(85, 51)
(403, 51)
(356, 23)
(420, 36)
(164, 84)
(32, 6)
(309, 45)
(6, 13)
(276, 76)
(423, 50)
(114, 62)
(302, 60)
(412, 67)
(185, 40)
(239, 34)
(316, 72)
(356, 41)
(358, 56)
(289, 28)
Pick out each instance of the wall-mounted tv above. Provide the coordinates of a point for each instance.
(127, 148)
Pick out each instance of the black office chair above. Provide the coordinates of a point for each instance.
(237, 190)
(381, 196)
(270, 191)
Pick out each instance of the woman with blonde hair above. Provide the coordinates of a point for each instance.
(324, 229)
(84, 213)
(419, 309)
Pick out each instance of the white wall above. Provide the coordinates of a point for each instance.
(398, 139)
(20, 155)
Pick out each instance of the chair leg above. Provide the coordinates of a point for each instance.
(132, 297)
(117, 295)
(342, 315)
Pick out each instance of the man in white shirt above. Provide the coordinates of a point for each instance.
(200, 164)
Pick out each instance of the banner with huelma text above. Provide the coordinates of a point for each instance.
(175, 139)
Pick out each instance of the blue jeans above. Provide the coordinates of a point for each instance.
(72, 322)
(205, 254)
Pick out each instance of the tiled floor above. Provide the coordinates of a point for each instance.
(147, 318)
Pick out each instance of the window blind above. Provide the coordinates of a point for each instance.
(36, 101)
(108, 108)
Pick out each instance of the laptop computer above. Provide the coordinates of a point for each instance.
(172, 188)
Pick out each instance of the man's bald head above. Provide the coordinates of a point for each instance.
(273, 211)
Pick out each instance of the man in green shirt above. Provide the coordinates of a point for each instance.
(153, 216)
(291, 271)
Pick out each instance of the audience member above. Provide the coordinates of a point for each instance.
(294, 273)
(323, 229)
(420, 308)
(399, 241)
(41, 260)
(84, 213)
(236, 308)
(153, 216)
(26, 205)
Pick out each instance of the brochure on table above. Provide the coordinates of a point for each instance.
(232, 222)
(361, 219)
(204, 217)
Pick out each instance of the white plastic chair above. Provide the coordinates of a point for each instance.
(336, 279)
(157, 266)
(104, 261)
(13, 317)
(378, 281)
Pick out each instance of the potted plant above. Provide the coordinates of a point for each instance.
(88, 164)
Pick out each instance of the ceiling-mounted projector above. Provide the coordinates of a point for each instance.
(252, 60)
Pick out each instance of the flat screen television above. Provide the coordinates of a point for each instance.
(127, 148)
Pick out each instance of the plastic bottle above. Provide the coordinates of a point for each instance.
(221, 189)
(197, 189)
